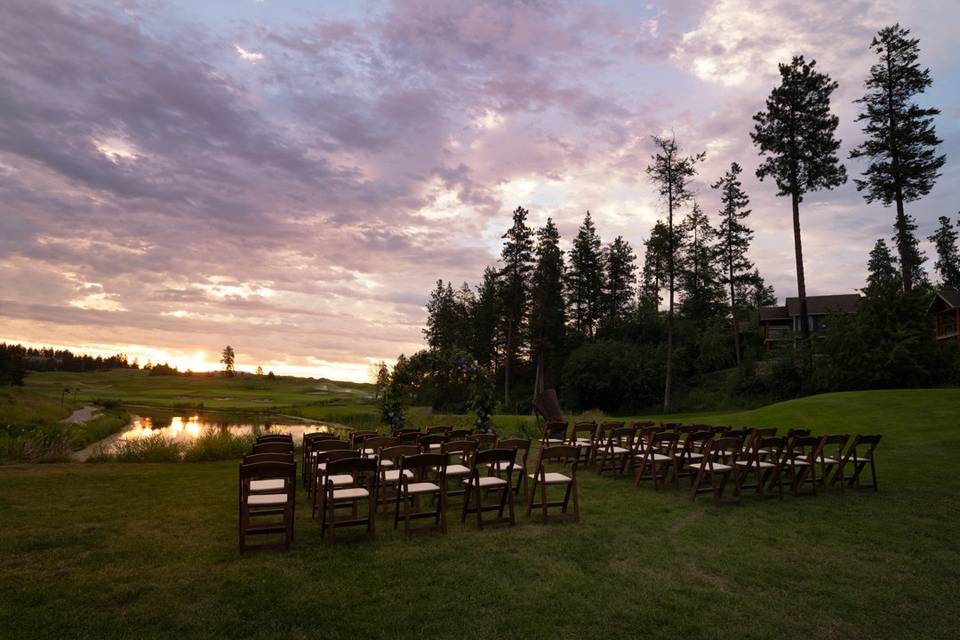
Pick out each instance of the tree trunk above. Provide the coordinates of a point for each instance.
(538, 380)
(903, 244)
(801, 281)
(668, 383)
(733, 312)
(506, 367)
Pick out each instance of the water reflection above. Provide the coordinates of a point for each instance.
(189, 428)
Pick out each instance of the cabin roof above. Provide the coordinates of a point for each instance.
(946, 295)
(816, 306)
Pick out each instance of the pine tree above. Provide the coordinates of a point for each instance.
(796, 133)
(484, 320)
(652, 276)
(548, 310)
(671, 172)
(585, 278)
(621, 279)
(699, 277)
(227, 358)
(757, 291)
(883, 278)
(901, 139)
(517, 258)
(733, 242)
(948, 256)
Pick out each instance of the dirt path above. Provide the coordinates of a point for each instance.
(85, 413)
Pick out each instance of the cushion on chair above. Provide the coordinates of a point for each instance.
(263, 499)
(552, 478)
(273, 484)
(457, 470)
(422, 487)
(488, 481)
(716, 467)
(617, 449)
(394, 474)
(350, 494)
(340, 479)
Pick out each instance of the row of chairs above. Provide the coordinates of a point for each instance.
(349, 481)
(749, 457)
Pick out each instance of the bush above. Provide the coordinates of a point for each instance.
(152, 449)
(39, 442)
(219, 445)
(612, 376)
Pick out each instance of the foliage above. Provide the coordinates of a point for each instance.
(228, 360)
(547, 309)
(163, 370)
(12, 366)
(612, 376)
(585, 278)
(514, 289)
(218, 445)
(699, 277)
(948, 256)
(620, 281)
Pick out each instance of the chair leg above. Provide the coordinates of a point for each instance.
(513, 516)
(576, 500)
(533, 493)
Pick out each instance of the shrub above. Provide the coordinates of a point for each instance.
(612, 376)
(218, 445)
(152, 449)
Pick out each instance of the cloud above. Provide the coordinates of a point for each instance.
(159, 191)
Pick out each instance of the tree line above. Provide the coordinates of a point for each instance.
(545, 317)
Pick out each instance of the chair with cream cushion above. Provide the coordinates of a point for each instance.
(860, 455)
(337, 497)
(459, 460)
(718, 463)
(800, 463)
(517, 467)
(259, 511)
(566, 458)
(422, 475)
(477, 484)
(765, 460)
(584, 437)
(390, 469)
(616, 449)
(318, 447)
(658, 460)
(322, 459)
(829, 457)
(554, 433)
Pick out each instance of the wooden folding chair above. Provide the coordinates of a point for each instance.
(460, 434)
(307, 452)
(414, 474)
(275, 437)
(584, 437)
(389, 469)
(439, 429)
(615, 452)
(364, 473)
(565, 456)
(259, 510)
(316, 448)
(518, 466)
(430, 442)
(800, 462)
(829, 457)
(408, 436)
(484, 440)
(273, 447)
(356, 437)
(689, 452)
(373, 445)
(553, 433)
(765, 460)
(459, 463)
(477, 485)
(860, 454)
(718, 463)
(322, 478)
(658, 460)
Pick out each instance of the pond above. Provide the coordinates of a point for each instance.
(186, 429)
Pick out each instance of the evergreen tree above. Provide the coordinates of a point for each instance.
(699, 278)
(671, 173)
(733, 242)
(517, 258)
(621, 279)
(548, 310)
(948, 256)
(227, 359)
(883, 277)
(796, 134)
(652, 276)
(758, 292)
(585, 278)
(484, 320)
(901, 139)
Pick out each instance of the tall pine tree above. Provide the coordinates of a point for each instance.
(948, 256)
(652, 276)
(883, 277)
(699, 277)
(671, 173)
(517, 258)
(901, 139)
(796, 136)
(484, 317)
(620, 281)
(733, 242)
(548, 310)
(585, 278)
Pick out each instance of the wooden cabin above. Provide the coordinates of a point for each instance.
(781, 324)
(945, 310)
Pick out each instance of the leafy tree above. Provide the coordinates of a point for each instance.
(517, 258)
(901, 139)
(259, 370)
(671, 172)
(548, 310)
(948, 257)
(612, 376)
(621, 279)
(227, 359)
(382, 380)
(795, 135)
(12, 366)
(733, 242)
(448, 317)
(699, 278)
(585, 278)
(271, 376)
(883, 279)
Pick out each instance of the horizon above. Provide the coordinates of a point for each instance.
(292, 180)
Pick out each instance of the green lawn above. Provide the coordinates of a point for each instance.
(149, 550)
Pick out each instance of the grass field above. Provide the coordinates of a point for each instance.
(149, 551)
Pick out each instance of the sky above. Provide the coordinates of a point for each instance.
(292, 177)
